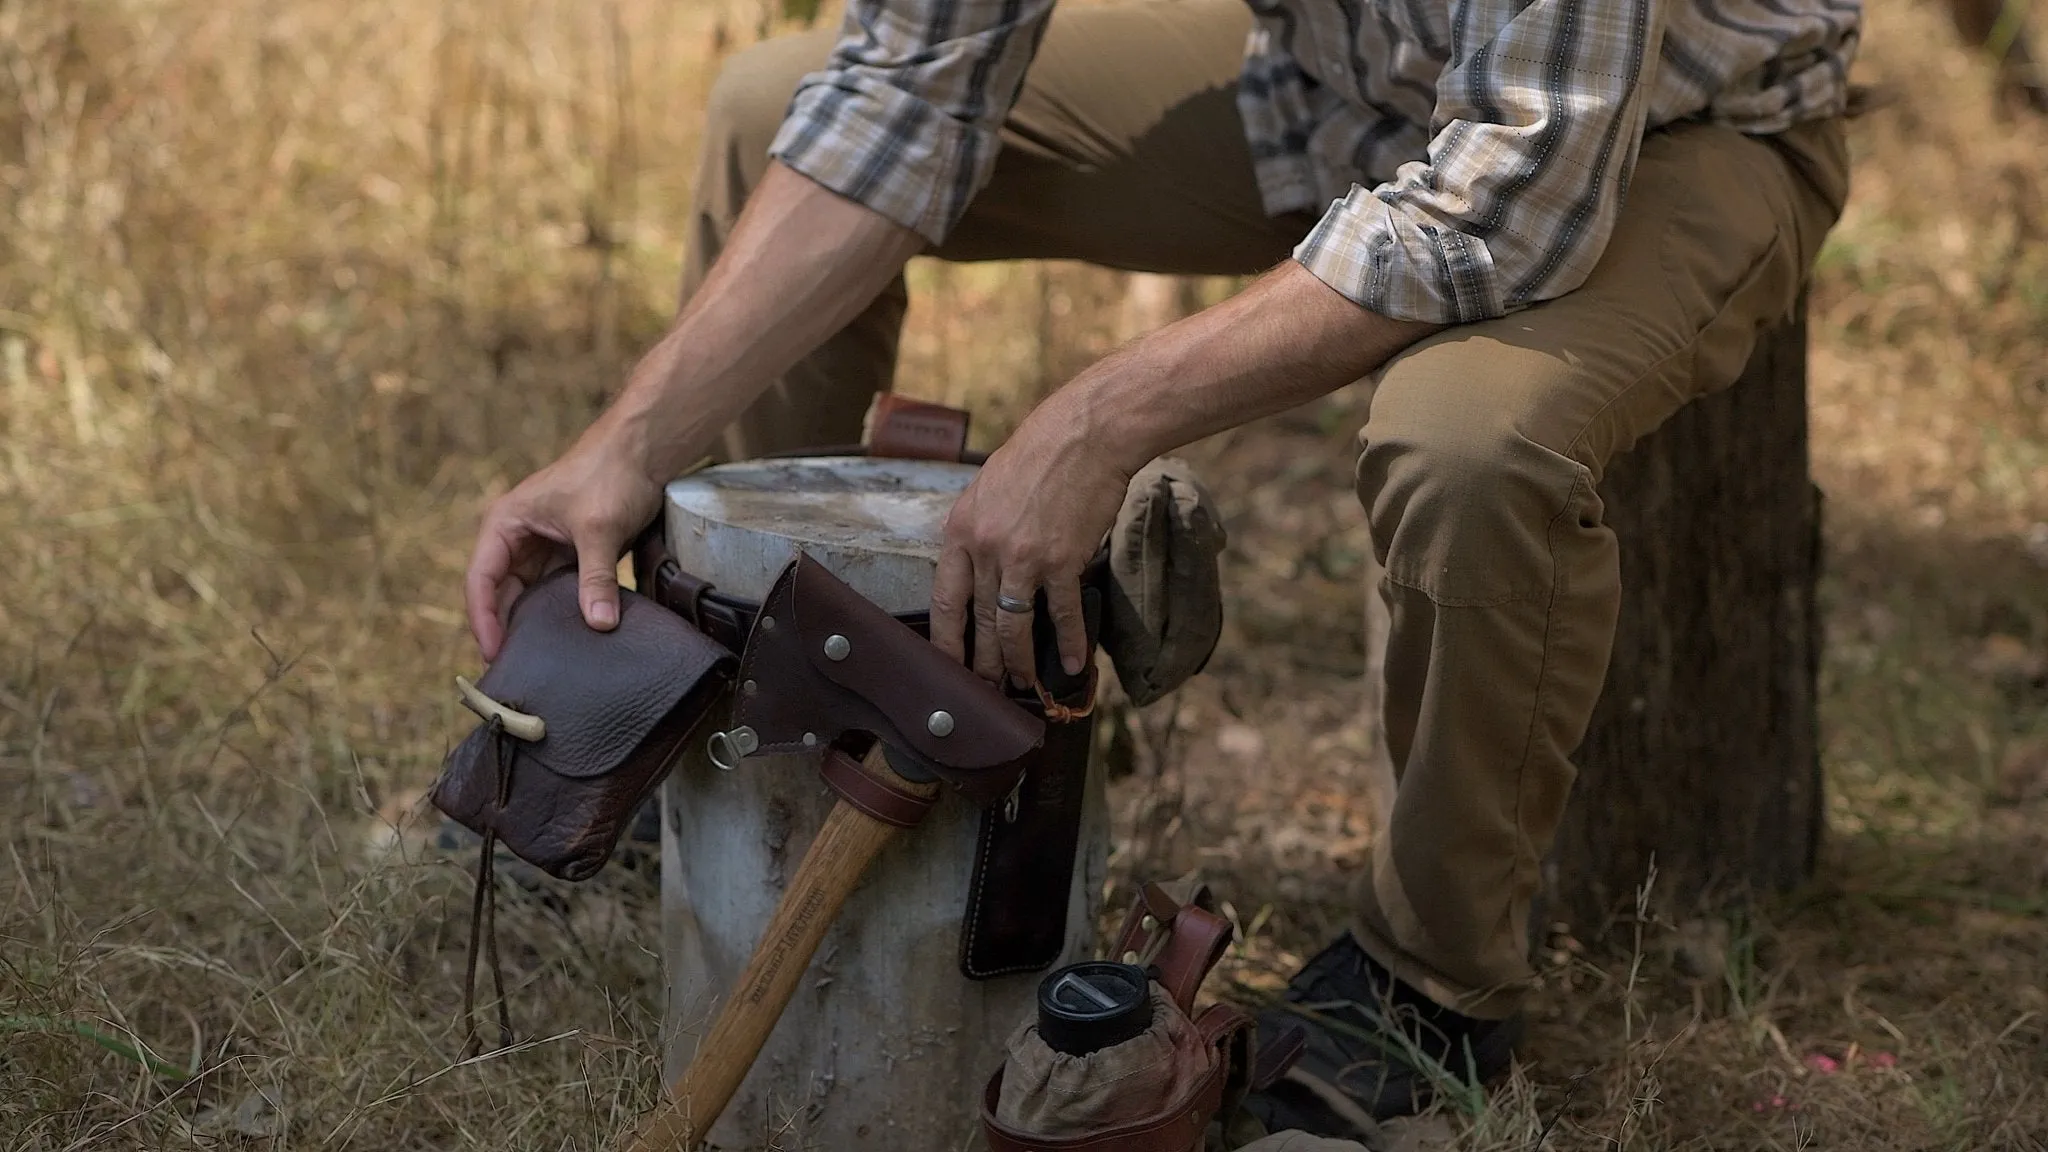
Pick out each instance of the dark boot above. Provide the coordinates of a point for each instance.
(1376, 1048)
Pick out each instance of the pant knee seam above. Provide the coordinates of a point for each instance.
(1538, 706)
(1458, 601)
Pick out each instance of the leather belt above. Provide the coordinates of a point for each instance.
(729, 619)
(726, 619)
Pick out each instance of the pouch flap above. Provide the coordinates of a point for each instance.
(906, 678)
(599, 693)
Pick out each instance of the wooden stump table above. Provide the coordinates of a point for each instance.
(886, 1045)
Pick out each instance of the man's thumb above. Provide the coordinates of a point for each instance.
(597, 581)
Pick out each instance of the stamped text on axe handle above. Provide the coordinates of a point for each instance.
(805, 913)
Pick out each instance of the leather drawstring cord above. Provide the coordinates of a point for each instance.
(483, 911)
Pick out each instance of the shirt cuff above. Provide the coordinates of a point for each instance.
(886, 149)
(1382, 254)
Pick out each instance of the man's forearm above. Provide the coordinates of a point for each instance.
(801, 263)
(1284, 341)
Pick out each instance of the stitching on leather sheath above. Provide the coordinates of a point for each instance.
(748, 651)
(772, 608)
(971, 931)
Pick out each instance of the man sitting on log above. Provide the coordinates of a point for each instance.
(1544, 225)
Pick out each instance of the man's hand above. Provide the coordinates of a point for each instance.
(1033, 518)
(585, 506)
(1040, 507)
(801, 262)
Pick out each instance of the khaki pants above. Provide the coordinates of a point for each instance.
(1482, 451)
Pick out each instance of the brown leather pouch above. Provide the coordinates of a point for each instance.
(616, 706)
(579, 727)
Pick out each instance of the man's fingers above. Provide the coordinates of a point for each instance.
(952, 586)
(489, 566)
(1063, 601)
(509, 591)
(988, 642)
(597, 581)
(1014, 629)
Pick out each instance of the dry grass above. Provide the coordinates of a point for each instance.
(287, 289)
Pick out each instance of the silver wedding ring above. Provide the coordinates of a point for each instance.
(1012, 604)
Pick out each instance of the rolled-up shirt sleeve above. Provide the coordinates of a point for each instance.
(1534, 136)
(904, 116)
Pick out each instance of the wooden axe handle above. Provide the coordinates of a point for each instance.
(830, 871)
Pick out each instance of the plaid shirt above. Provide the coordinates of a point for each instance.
(1472, 154)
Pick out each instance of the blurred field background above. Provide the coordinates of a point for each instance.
(288, 289)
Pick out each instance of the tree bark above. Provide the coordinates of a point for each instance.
(1704, 752)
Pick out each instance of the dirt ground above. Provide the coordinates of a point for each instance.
(288, 290)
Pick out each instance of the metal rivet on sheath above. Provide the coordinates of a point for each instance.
(1130, 957)
(939, 723)
(836, 647)
(767, 623)
(1150, 923)
(810, 739)
(749, 687)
